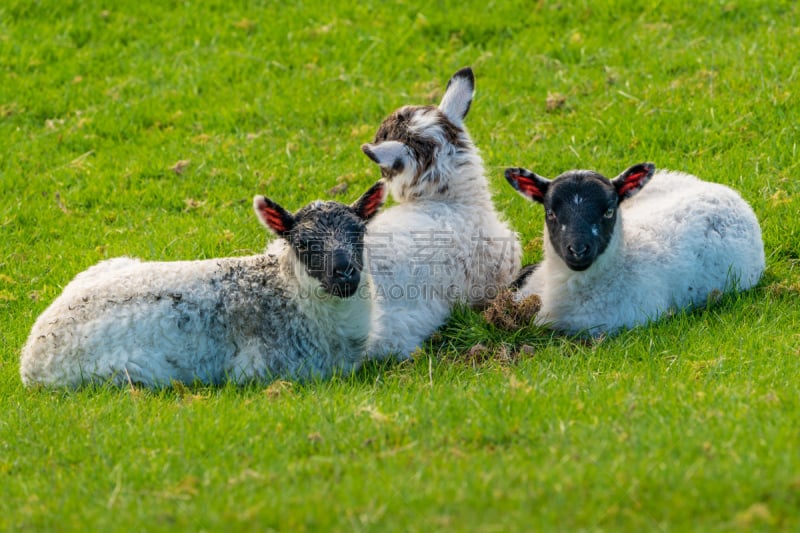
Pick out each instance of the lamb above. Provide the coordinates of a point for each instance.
(616, 259)
(300, 311)
(442, 243)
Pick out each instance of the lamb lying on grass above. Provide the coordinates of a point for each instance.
(614, 260)
(443, 243)
(302, 310)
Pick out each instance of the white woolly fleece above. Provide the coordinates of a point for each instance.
(239, 318)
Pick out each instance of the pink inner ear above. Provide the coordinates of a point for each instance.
(632, 182)
(373, 203)
(273, 219)
(527, 187)
(369, 205)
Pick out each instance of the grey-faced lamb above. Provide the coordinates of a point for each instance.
(300, 311)
(615, 257)
(442, 243)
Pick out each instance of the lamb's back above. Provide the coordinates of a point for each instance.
(152, 322)
(701, 235)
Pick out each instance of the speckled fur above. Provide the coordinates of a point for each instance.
(674, 244)
(239, 319)
(443, 243)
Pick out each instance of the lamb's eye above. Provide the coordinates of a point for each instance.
(550, 214)
(609, 213)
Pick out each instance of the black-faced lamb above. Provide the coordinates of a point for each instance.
(443, 242)
(615, 257)
(301, 310)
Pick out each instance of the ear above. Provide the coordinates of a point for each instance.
(530, 185)
(273, 216)
(370, 202)
(388, 154)
(458, 96)
(632, 180)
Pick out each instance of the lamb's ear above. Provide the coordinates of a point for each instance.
(370, 202)
(632, 180)
(530, 185)
(273, 216)
(388, 154)
(458, 96)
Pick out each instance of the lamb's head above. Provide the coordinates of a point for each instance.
(327, 238)
(420, 149)
(580, 208)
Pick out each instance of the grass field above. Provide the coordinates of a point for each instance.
(145, 128)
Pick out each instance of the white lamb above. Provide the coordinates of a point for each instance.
(443, 243)
(301, 310)
(613, 260)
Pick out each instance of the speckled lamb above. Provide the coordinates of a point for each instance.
(302, 310)
(615, 257)
(443, 243)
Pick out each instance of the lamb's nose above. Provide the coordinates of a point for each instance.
(341, 267)
(344, 272)
(344, 281)
(578, 250)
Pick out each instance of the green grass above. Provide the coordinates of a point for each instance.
(692, 423)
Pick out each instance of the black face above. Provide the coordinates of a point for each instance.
(581, 211)
(328, 238)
